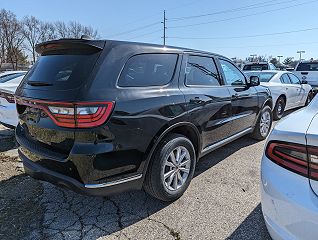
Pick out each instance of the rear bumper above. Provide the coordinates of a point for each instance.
(101, 189)
(290, 207)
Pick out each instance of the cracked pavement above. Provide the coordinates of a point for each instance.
(222, 202)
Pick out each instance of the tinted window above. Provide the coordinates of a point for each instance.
(294, 79)
(9, 77)
(201, 71)
(266, 77)
(255, 67)
(63, 71)
(307, 67)
(285, 79)
(232, 75)
(148, 70)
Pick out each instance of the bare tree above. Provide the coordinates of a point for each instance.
(73, 30)
(61, 29)
(33, 33)
(13, 36)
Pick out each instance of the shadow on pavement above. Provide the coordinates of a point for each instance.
(252, 228)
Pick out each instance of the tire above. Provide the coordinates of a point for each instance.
(279, 108)
(155, 183)
(258, 134)
(309, 98)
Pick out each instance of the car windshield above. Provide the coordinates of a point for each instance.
(255, 67)
(307, 67)
(9, 77)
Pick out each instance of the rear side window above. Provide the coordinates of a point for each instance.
(307, 67)
(285, 79)
(146, 70)
(201, 71)
(294, 79)
(63, 70)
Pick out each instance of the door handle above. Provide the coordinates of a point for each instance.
(235, 96)
(196, 100)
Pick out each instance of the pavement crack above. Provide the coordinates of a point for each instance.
(175, 234)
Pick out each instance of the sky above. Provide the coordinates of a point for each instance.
(229, 27)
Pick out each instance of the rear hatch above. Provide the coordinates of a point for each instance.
(308, 71)
(46, 96)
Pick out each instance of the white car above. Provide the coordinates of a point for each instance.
(8, 112)
(289, 176)
(308, 71)
(258, 66)
(287, 90)
(8, 75)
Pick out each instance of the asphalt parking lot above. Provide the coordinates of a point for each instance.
(222, 202)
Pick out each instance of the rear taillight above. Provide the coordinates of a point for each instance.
(294, 157)
(9, 97)
(74, 115)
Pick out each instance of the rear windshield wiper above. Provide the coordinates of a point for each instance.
(39, 84)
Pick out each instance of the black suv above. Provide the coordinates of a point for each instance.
(100, 117)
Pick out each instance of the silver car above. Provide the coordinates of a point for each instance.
(289, 176)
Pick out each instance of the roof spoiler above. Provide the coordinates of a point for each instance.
(69, 43)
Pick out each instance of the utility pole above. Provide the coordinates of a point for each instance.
(253, 56)
(300, 52)
(279, 58)
(164, 27)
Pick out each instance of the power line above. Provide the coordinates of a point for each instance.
(144, 18)
(269, 45)
(248, 36)
(136, 29)
(244, 16)
(145, 34)
(247, 7)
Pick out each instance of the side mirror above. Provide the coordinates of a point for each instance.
(304, 82)
(254, 81)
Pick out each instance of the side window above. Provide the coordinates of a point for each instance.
(285, 79)
(148, 70)
(232, 75)
(201, 71)
(294, 79)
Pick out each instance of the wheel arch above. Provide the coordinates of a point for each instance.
(185, 128)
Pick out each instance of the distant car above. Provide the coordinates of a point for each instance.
(8, 75)
(308, 71)
(289, 176)
(258, 66)
(8, 112)
(287, 90)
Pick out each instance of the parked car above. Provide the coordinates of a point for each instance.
(258, 66)
(287, 90)
(8, 75)
(8, 111)
(100, 116)
(289, 176)
(308, 71)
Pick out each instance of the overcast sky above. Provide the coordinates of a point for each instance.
(229, 27)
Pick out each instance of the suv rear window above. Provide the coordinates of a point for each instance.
(62, 70)
(148, 70)
(255, 67)
(307, 67)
